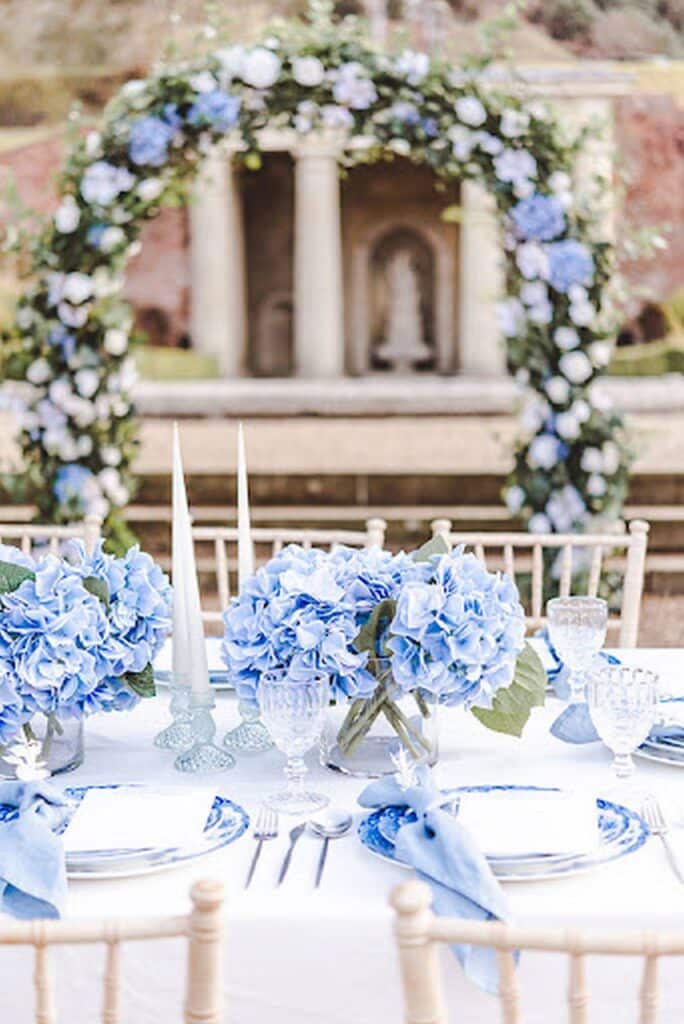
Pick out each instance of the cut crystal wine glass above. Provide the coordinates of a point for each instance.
(294, 714)
(623, 705)
(577, 629)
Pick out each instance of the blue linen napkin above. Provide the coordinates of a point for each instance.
(665, 730)
(574, 724)
(446, 856)
(32, 862)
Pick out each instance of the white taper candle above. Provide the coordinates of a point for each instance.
(245, 543)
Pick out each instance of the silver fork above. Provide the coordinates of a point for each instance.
(659, 826)
(265, 828)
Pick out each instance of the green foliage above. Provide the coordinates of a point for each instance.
(12, 576)
(513, 704)
(567, 19)
(141, 683)
(435, 546)
(98, 588)
(370, 635)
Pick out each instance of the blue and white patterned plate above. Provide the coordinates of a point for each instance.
(621, 831)
(227, 821)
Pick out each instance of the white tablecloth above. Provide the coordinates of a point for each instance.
(296, 956)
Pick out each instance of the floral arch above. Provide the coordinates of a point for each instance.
(73, 329)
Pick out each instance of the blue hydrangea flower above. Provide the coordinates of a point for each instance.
(215, 108)
(59, 335)
(539, 218)
(171, 116)
(94, 235)
(570, 263)
(149, 141)
(70, 482)
(457, 633)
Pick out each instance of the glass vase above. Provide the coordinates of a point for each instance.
(368, 738)
(45, 746)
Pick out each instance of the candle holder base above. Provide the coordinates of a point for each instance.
(251, 735)
(179, 734)
(204, 755)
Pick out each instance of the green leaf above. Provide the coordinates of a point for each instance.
(12, 576)
(377, 621)
(512, 704)
(435, 546)
(98, 588)
(141, 683)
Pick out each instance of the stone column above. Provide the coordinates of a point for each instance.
(318, 296)
(481, 284)
(217, 258)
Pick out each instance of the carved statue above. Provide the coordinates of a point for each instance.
(404, 345)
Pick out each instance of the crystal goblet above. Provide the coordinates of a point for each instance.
(577, 629)
(623, 705)
(294, 712)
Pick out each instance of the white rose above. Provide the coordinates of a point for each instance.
(115, 341)
(515, 499)
(575, 366)
(611, 458)
(83, 412)
(581, 410)
(68, 449)
(558, 390)
(559, 181)
(308, 71)
(84, 445)
(77, 288)
(72, 316)
(523, 188)
(261, 68)
(578, 293)
(462, 141)
(514, 123)
(39, 372)
(533, 293)
(539, 523)
(592, 460)
(150, 189)
(488, 143)
(600, 353)
(67, 216)
(533, 415)
(87, 382)
(203, 81)
(532, 260)
(567, 426)
(541, 313)
(232, 60)
(470, 111)
(566, 338)
(582, 314)
(111, 239)
(110, 455)
(543, 452)
(596, 486)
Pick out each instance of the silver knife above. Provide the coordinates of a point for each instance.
(294, 836)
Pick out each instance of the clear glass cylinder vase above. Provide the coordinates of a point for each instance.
(46, 745)
(367, 738)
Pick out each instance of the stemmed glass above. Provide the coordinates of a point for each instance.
(577, 629)
(294, 714)
(623, 706)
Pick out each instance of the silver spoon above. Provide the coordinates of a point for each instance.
(330, 825)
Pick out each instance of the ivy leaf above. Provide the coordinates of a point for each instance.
(141, 683)
(512, 704)
(98, 588)
(435, 546)
(12, 576)
(378, 620)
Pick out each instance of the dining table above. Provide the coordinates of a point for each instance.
(297, 954)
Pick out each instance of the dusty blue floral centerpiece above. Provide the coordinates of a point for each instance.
(77, 636)
(435, 628)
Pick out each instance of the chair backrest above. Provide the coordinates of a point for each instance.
(202, 928)
(418, 933)
(31, 537)
(625, 550)
(268, 541)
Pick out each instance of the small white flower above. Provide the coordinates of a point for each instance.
(232, 60)
(543, 452)
(335, 117)
(515, 499)
(150, 189)
(539, 523)
(575, 366)
(110, 455)
(565, 508)
(596, 486)
(93, 145)
(515, 165)
(84, 446)
(87, 382)
(558, 390)
(533, 415)
(600, 352)
(599, 397)
(511, 317)
(567, 425)
(566, 338)
(592, 460)
(578, 293)
(522, 376)
(488, 143)
(39, 372)
(611, 458)
(24, 317)
(67, 216)
(413, 65)
(115, 341)
(534, 293)
(470, 111)
(134, 87)
(462, 141)
(260, 68)
(541, 313)
(582, 314)
(203, 81)
(73, 316)
(77, 287)
(111, 238)
(523, 188)
(581, 410)
(532, 261)
(308, 71)
(402, 147)
(514, 123)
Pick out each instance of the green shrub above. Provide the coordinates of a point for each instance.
(568, 19)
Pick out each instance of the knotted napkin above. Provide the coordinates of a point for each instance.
(574, 724)
(446, 856)
(32, 862)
